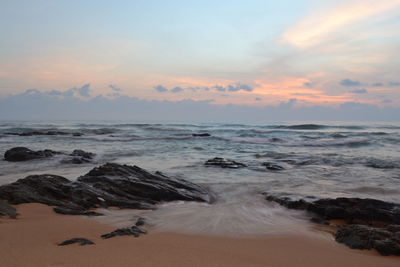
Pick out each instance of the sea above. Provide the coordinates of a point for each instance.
(323, 159)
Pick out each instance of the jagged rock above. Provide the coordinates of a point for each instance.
(201, 135)
(81, 241)
(134, 230)
(272, 166)
(23, 154)
(7, 210)
(224, 163)
(383, 240)
(111, 184)
(368, 212)
(348, 209)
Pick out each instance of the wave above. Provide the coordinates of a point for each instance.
(316, 127)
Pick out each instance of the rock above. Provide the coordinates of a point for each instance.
(140, 221)
(79, 156)
(272, 166)
(201, 135)
(75, 211)
(134, 230)
(23, 154)
(32, 133)
(7, 210)
(383, 240)
(362, 214)
(112, 184)
(224, 163)
(81, 241)
(348, 209)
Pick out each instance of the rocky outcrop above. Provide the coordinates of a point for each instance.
(81, 241)
(111, 184)
(384, 240)
(7, 210)
(224, 163)
(77, 156)
(372, 224)
(24, 154)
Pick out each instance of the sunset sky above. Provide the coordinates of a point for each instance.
(252, 52)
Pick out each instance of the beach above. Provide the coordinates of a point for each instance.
(31, 240)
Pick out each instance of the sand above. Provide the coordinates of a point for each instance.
(32, 240)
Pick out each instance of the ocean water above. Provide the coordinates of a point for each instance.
(322, 159)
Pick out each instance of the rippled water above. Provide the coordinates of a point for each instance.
(323, 160)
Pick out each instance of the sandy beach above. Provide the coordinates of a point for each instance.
(32, 240)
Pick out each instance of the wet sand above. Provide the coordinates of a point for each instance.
(32, 239)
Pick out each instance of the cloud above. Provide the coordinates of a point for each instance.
(233, 88)
(160, 88)
(258, 99)
(35, 105)
(177, 89)
(350, 83)
(359, 91)
(324, 26)
(115, 88)
(84, 90)
(377, 84)
(394, 84)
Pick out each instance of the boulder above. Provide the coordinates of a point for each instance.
(112, 184)
(224, 163)
(24, 154)
(133, 230)
(79, 156)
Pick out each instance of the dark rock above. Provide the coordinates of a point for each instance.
(365, 237)
(224, 163)
(23, 154)
(32, 133)
(108, 185)
(201, 135)
(272, 166)
(140, 221)
(348, 209)
(134, 230)
(7, 210)
(79, 157)
(75, 211)
(81, 241)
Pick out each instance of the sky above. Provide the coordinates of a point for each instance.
(254, 53)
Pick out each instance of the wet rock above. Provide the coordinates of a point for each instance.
(383, 240)
(201, 135)
(24, 154)
(348, 209)
(134, 231)
(32, 133)
(224, 163)
(140, 221)
(79, 156)
(7, 210)
(81, 241)
(111, 184)
(75, 211)
(272, 166)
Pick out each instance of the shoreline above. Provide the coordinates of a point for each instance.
(31, 240)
